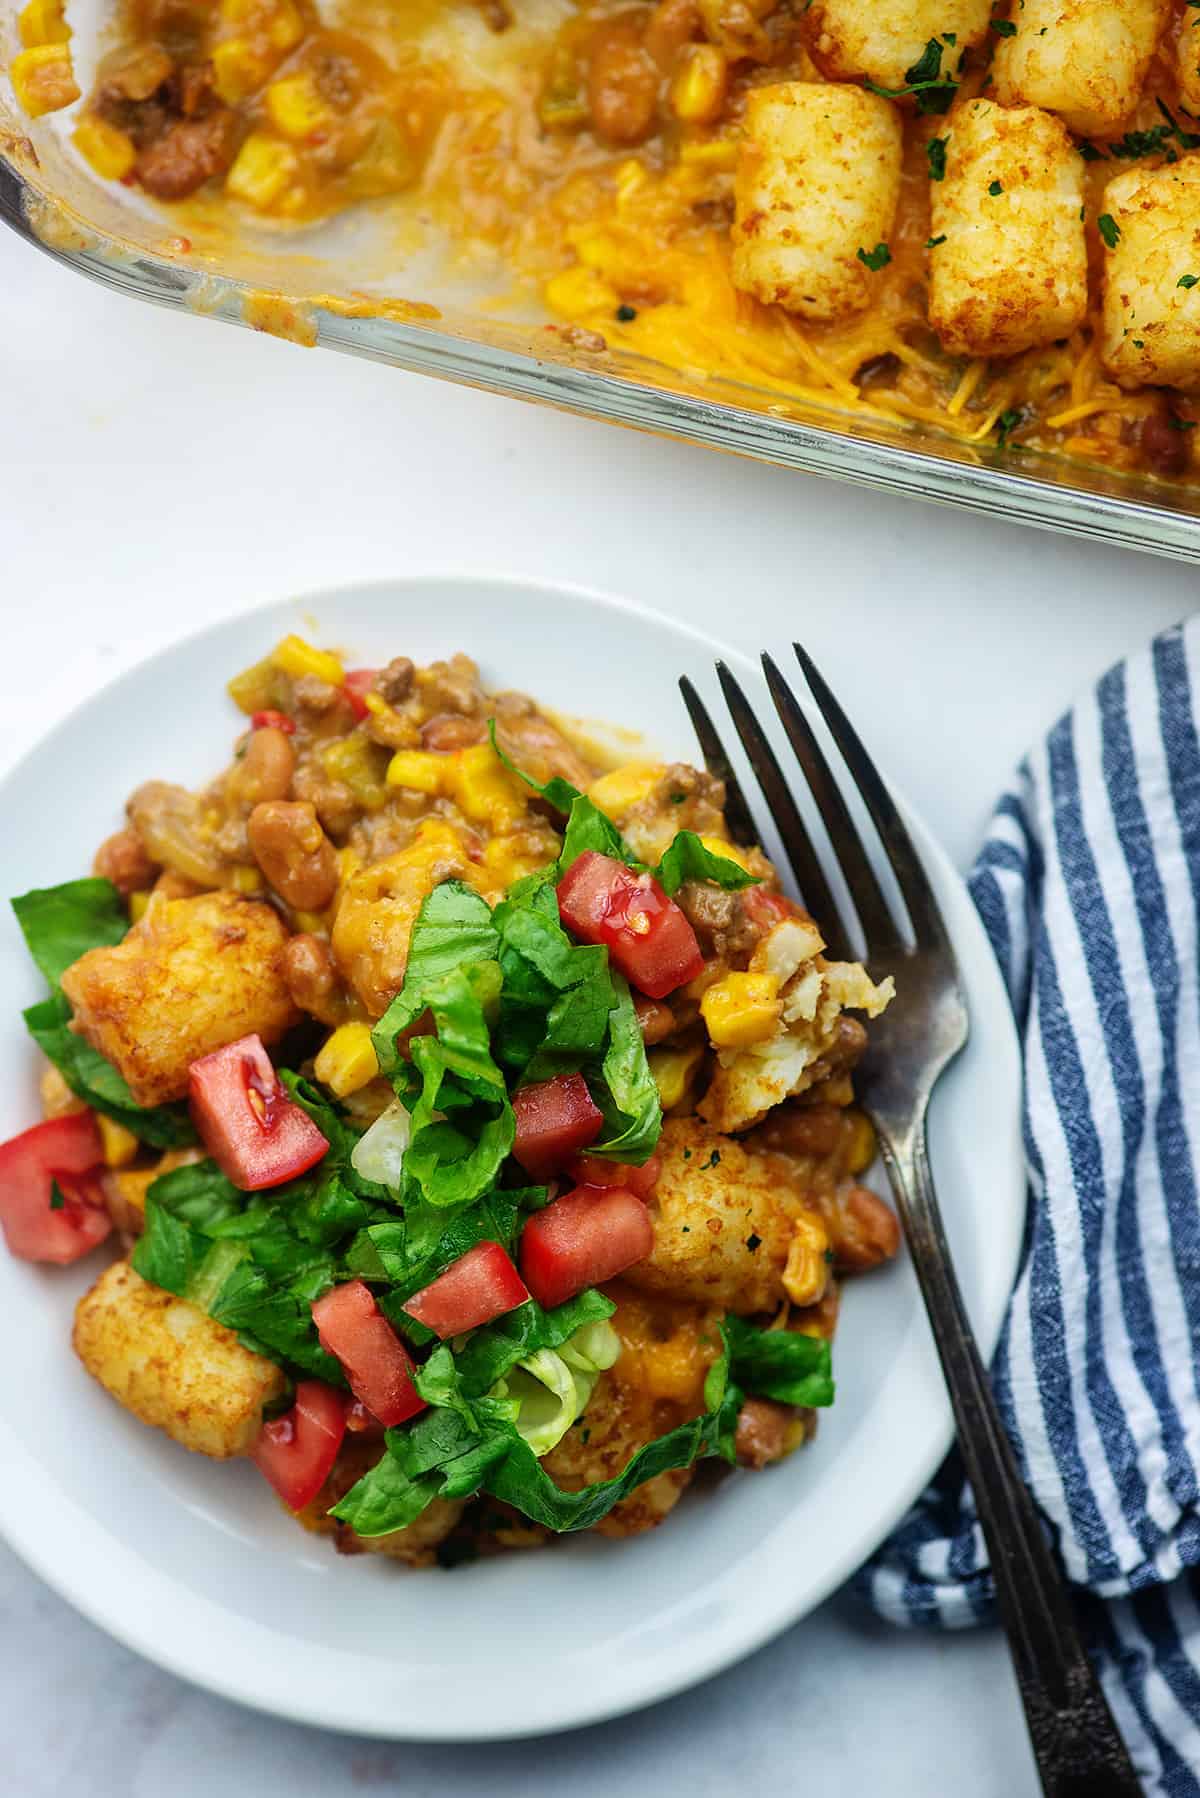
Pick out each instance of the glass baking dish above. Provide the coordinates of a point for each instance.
(356, 283)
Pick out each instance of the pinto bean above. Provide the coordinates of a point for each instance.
(294, 853)
(622, 83)
(764, 1432)
(863, 1230)
(122, 858)
(266, 769)
(312, 979)
(447, 732)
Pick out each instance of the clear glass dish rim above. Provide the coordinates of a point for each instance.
(1047, 492)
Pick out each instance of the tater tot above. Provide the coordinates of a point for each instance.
(1187, 58)
(818, 179)
(172, 1365)
(1083, 59)
(1151, 325)
(1008, 267)
(883, 39)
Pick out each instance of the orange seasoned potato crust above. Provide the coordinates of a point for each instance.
(172, 1365)
(725, 1222)
(194, 974)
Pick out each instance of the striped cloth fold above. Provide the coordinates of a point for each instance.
(1089, 887)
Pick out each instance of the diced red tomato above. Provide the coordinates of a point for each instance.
(480, 1285)
(646, 935)
(374, 1360)
(356, 686)
(555, 1119)
(296, 1452)
(589, 1235)
(766, 909)
(593, 1170)
(250, 1127)
(273, 721)
(66, 1151)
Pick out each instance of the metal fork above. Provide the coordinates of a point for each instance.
(1078, 1750)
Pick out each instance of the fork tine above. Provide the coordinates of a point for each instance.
(810, 877)
(739, 818)
(902, 856)
(878, 926)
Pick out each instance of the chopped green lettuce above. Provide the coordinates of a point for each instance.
(463, 1445)
(686, 858)
(552, 1386)
(780, 1364)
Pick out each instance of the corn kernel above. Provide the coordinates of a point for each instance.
(262, 169)
(484, 789)
(43, 79)
(579, 291)
(698, 90)
(313, 923)
(862, 1146)
(617, 793)
(347, 1061)
(110, 152)
(628, 179)
(376, 704)
(673, 1072)
(239, 69)
(276, 20)
(741, 1009)
(119, 1144)
(293, 654)
(286, 27)
(137, 906)
(42, 22)
(295, 107)
(246, 880)
(732, 852)
(806, 1273)
(717, 153)
(419, 770)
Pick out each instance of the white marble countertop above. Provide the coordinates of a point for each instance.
(160, 471)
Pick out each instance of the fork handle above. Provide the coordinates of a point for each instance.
(1078, 1749)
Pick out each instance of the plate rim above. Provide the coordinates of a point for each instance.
(752, 1626)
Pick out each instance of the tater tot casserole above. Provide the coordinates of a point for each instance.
(982, 219)
(466, 1123)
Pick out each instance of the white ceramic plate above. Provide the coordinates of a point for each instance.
(191, 1562)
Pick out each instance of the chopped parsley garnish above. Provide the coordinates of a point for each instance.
(932, 87)
(626, 314)
(995, 187)
(1182, 424)
(57, 1197)
(1109, 229)
(714, 1160)
(931, 243)
(875, 259)
(1003, 27)
(753, 1241)
(1006, 425)
(935, 149)
(1187, 280)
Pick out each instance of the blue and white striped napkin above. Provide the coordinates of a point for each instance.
(1089, 887)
